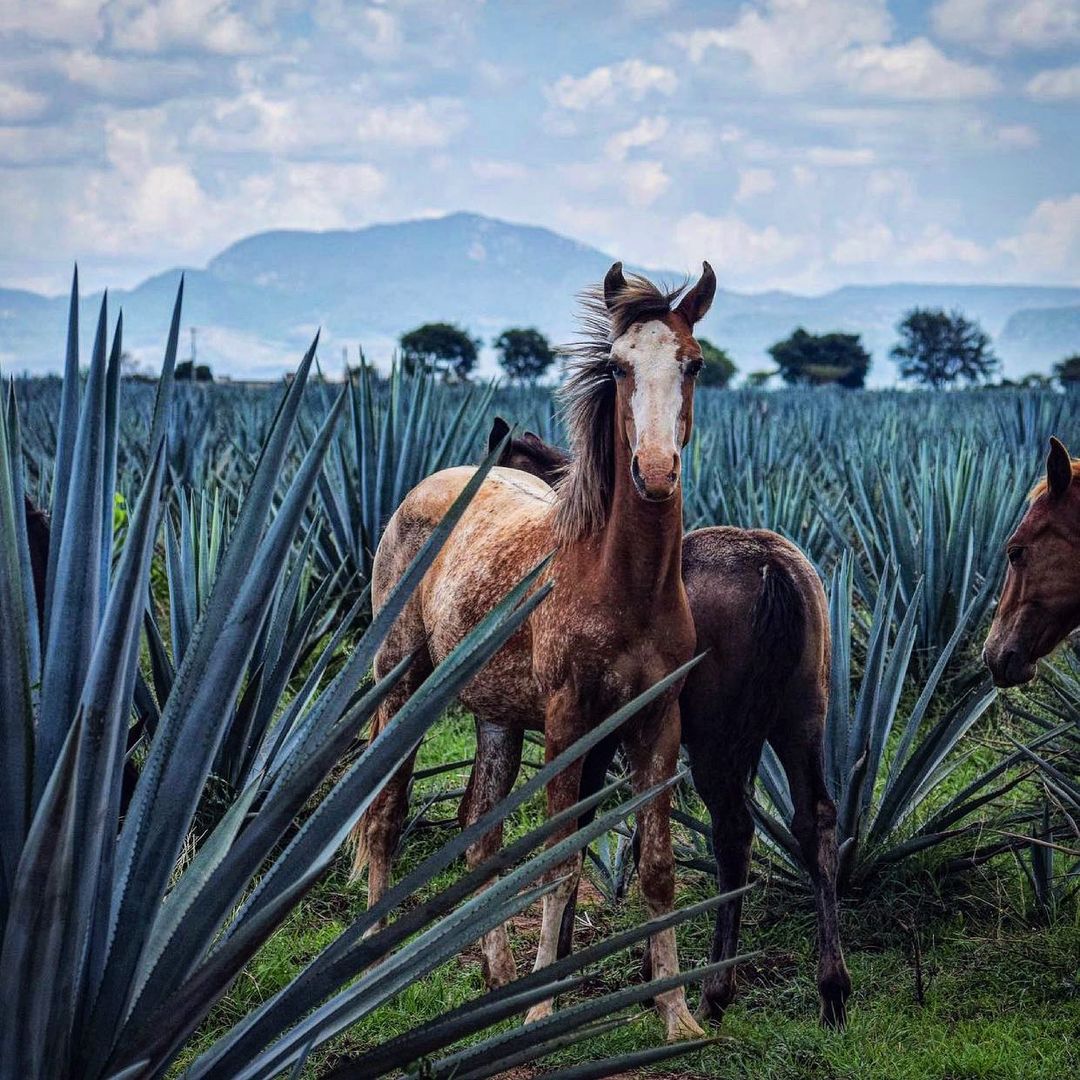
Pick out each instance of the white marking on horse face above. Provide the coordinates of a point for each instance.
(651, 350)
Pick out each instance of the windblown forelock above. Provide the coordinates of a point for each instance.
(587, 400)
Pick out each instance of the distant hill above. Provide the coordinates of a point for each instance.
(257, 304)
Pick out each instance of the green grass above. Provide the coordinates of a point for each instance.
(1000, 999)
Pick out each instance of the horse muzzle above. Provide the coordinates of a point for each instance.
(1008, 666)
(655, 477)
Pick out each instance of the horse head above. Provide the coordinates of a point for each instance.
(1040, 601)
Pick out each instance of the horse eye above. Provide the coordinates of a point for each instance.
(1015, 555)
(693, 369)
(617, 372)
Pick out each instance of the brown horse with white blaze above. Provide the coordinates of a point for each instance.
(1040, 600)
(616, 621)
(762, 621)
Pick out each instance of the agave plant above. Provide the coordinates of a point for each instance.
(883, 768)
(939, 519)
(114, 947)
(302, 615)
(397, 434)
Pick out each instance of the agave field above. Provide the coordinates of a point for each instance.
(185, 689)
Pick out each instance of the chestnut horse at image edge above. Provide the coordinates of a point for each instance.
(615, 622)
(762, 621)
(1040, 600)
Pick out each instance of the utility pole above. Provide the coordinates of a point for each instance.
(193, 330)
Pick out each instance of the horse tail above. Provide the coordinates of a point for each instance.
(778, 642)
(358, 835)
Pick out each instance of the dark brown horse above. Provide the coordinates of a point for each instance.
(760, 612)
(37, 540)
(616, 621)
(1040, 600)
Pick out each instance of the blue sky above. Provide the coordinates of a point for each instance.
(797, 144)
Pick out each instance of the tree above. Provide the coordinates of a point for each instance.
(439, 347)
(816, 359)
(758, 380)
(186, 370)
(524, 354)
(937, 348)
(719, 368)
(1067, 372)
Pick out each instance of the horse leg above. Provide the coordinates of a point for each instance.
(593, 775)
(377, 833)
(561, 730)
(653, 750)
(798, 744)
(723, 790)
(498, 759)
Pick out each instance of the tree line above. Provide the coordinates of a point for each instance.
(935, 348)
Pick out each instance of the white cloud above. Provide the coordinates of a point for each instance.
(297, 121)
(161, 25)
(648, 130)
(1055, 84)
(936, 244)
(643, 182)
(605, 86)
(916, 70)
(149, 199)
(69, 21)
(18, 104)
(794, 45)
(1017, 136)
(998, 26)
(840, 157)
(433, 122)
(491, 169)
(374, 30)
(733, 246)
(862, 244)
(754, 182)
(1048, 246)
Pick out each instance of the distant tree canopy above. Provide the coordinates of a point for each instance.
(439, 347)
(524, 354)
(719, 368)
(759, 379)
(816, 359)
(938, 348)
(185, 370)
(1067, 372)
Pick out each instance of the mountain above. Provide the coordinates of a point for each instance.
(257, 304)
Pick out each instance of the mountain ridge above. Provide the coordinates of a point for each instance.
(258, 301)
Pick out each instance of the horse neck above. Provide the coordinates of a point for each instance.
(641, 542)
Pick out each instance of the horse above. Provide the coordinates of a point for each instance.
(761, 616)
(617, 619)
(1040, 600)
(37, 541)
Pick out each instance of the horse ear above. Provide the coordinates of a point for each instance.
(614, 283)
(1058, 469)
(499, 430)
(695, 304)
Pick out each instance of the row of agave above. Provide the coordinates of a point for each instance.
(909, 548)
(163, 814)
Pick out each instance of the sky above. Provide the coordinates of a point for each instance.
(796, 144)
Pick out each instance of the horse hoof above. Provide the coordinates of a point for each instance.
(538, 1012)
(834, 994)
(682, 1026)
(833, 1014)
(709, 1012)
(499, 973)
